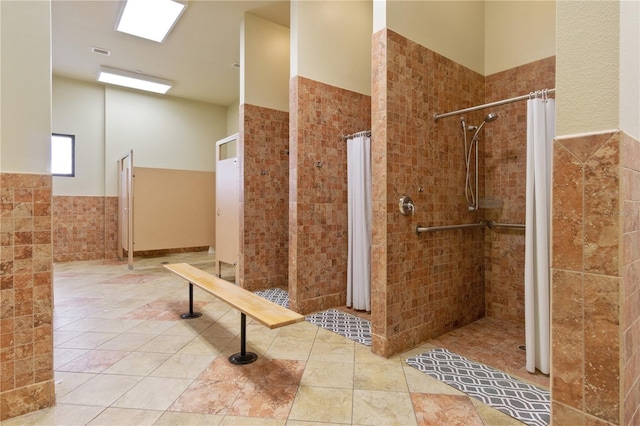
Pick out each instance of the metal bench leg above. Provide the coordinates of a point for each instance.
(191, 314)
(243, 357)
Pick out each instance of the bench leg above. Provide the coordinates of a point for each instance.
(243, 357)
(191, 314)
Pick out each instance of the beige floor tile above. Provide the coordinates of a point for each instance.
(88, 340)
(183, 366)
(220, 330)
(165, 344)
(203, 345)
(102, 390)
(328, 374)
(153, 393)
(322, 405)
(187, 328)
(251, 421)
(126, 417)
(138, 363)
(383, 377)
(150, 327)
(302, 331)
(170, 418)
(61, 414)
(65, 382)
(382, 408)
(60, 337)
(117, 325)
(326, 336)
(312, 423)
(283, 348)
(126, 342)
(333, 352)
(63, 356)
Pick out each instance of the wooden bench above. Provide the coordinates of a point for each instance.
(262, 310)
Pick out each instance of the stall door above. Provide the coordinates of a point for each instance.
(227, 202)
(125, 207)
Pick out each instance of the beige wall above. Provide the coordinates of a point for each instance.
(78, 109)
(331, 43)
(25, 84)
(630, 68)
(517, 33)
(454, 29)
(264, 64)
(588, 73)
(233, 118)
(163, 132)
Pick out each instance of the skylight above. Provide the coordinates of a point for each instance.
(150, 19)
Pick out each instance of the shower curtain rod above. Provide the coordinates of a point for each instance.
(355, 135)
(436, 117)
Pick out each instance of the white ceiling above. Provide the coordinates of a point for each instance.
(197, 55)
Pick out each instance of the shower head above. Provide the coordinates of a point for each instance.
(492, 116)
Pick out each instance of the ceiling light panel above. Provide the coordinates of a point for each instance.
(150, 19)
(133, 80)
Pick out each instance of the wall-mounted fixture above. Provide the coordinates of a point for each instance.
(406, 206)
(133, 80)
(152, 20)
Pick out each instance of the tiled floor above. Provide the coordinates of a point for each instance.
(124, 357)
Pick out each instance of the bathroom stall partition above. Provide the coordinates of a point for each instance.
(164, 209)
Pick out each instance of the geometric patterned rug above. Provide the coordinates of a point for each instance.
(276, 295)
(527, 403)
(342, 323)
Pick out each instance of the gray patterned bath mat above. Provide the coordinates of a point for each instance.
(527, 403)
(342, 323)
(276, 295)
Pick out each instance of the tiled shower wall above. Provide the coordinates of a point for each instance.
(503, 150)
(320, 115)
(596, 280)
(422, 285)
(264, 195)
(26, 330)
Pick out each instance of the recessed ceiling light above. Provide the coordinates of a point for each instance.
(150, 19)
(133, 80)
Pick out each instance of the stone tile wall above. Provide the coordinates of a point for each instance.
(423, 285)
(320, 115)
(595, 285)
(264, 195)
(503, 150)
(79, 228)
(26, 294)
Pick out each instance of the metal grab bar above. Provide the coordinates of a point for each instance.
(420, 229)
(491, 224)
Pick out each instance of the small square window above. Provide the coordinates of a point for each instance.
(62, 154)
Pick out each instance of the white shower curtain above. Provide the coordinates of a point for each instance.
(540, 134)
(359, 217)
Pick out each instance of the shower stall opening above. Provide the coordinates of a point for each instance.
(495, 166)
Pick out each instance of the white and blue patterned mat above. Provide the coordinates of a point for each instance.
(342, 323)
(527, 403)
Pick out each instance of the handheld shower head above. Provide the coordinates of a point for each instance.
(492, 116)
